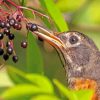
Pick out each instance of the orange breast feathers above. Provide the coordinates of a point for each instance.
(86, 84)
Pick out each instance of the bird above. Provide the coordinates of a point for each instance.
(81, 58)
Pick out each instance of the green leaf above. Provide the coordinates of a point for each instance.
(34, 57)
(29, 14)
(66, 92)
(40, 81)
(84, 94)
(23, 90)
(45, 97)
(55, 13)
(83, 16)
(2, 89)
(5, 80)
(23, 2)
(19, 77)
(16, 75)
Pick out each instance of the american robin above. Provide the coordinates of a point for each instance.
(81, 56)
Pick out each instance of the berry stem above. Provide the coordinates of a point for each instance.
(4, 12)
(21, 7)
(1, 44)
(14, 53)
(11, 43)
(34, 12)
(12, 3)
(7, 6)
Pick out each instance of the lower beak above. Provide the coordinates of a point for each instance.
(50, 38)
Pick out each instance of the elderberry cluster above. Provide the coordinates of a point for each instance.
(13, 18)
(5, 31)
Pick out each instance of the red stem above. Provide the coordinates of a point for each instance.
(33, 11)
(1, 10)
(21, 7)
(12, 3)
(7, 7)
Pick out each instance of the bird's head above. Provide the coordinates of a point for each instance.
(77, 47)
(78, 51)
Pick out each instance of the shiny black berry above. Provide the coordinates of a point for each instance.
(9, 50)
(17, 26)
(34, 27)
(15, 59)
(7, 25)
(24, 44)
(2, 24)
(1, 51)
(12, 21)
(5, 57)
(11, 36)
(1, 36)
(6, 31)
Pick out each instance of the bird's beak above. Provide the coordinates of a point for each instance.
(49, 37)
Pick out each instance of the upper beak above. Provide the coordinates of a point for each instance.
(49, 37)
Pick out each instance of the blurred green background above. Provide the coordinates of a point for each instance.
(81, 15)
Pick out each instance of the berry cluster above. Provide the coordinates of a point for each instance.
(13, 20)
(6, 26)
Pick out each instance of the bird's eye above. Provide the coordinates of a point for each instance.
(73, 39)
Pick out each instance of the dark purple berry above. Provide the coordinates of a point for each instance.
(11, 36)
(2, 24)
(1, 35)
(6, 31)
(5, 57)
(7, 25)
(1, 51)
(17, 26)
(15, 59)
(10, 50)
(19, 18)
(12, 21)
(34, 27)
(28, 26)
(24, 44)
